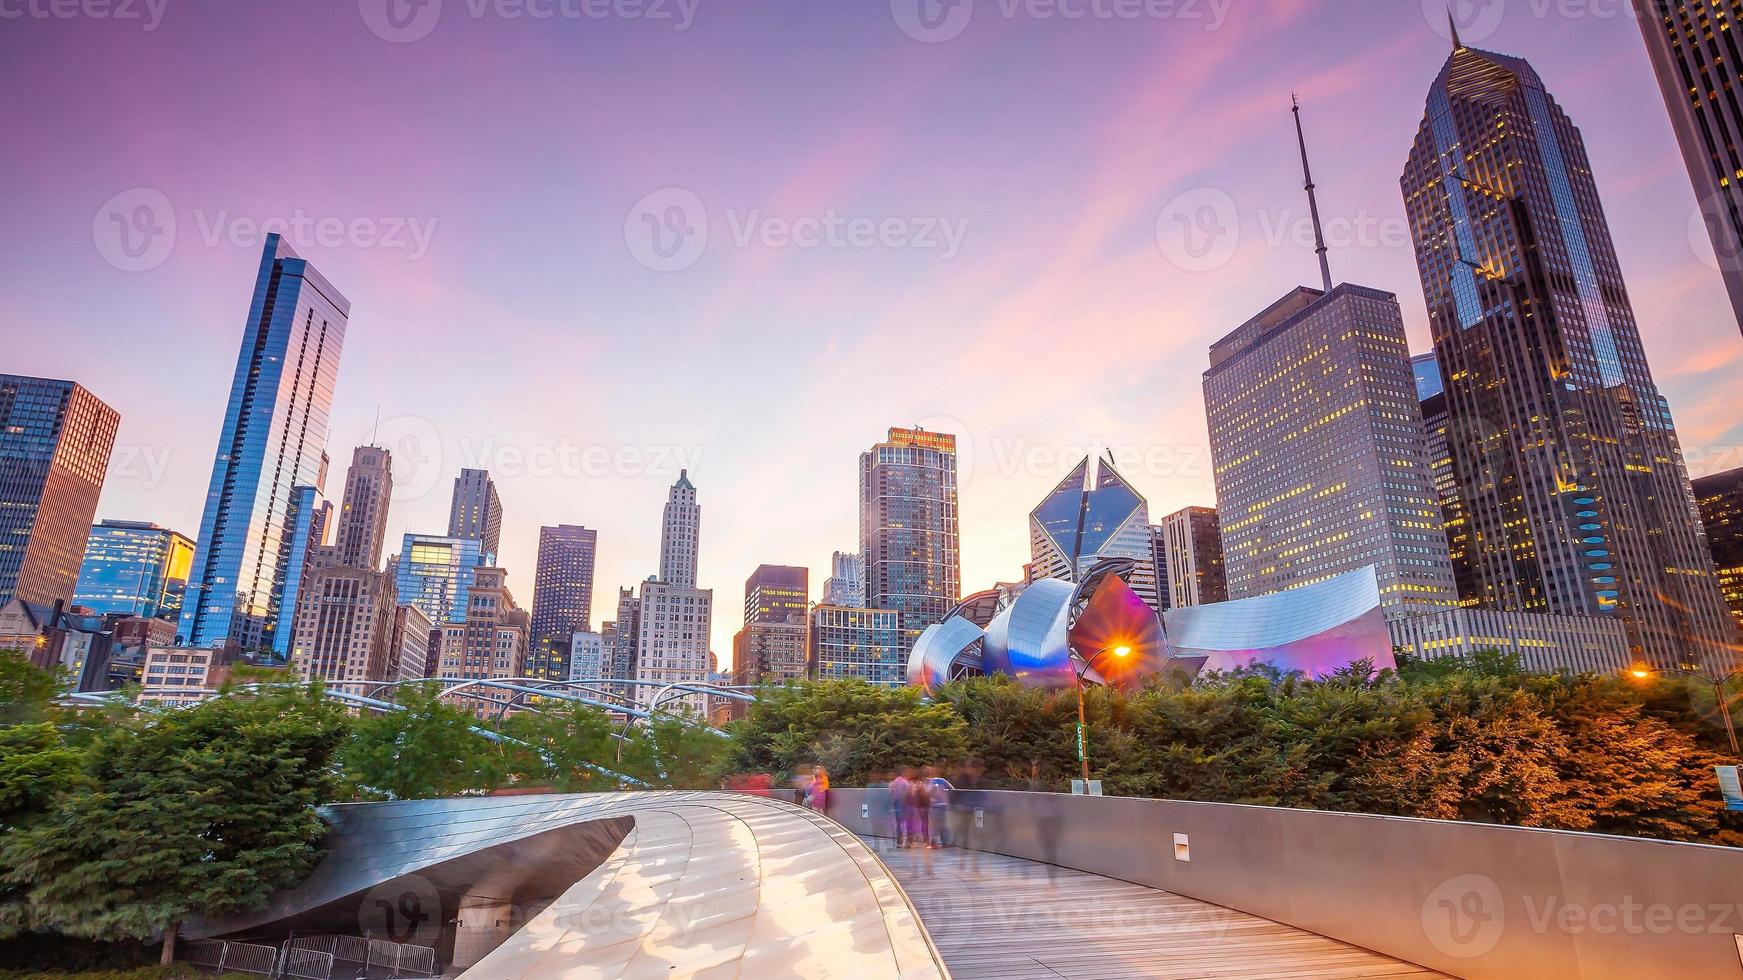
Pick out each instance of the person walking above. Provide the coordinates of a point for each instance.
(900, 789)
(938, 813)
(817, 791)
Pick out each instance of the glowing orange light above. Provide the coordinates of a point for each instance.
(1640, 671)
(1122, 651)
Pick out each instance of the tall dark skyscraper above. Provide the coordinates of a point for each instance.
(1696, 54)
(55, 440)
(1562, 448)
(775, 592)
(908, 527)
(476, 511)
(1720, 498)
(562, 596)
(363, 510)
(274, 432)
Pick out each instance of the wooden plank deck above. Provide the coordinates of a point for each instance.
(997, 916)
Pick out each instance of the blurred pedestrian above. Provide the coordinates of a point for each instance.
(900, 788)
(938, 816)
(817, 792)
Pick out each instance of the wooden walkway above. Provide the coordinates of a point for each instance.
(997, 916)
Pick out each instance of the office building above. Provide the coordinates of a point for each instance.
(845, 585)
(409, 649)
(587, 656)
(673, 615)
(1159, 560)
(1695, 54)
(1193, 556)
(1089, 517)
(1435, 424)
(1543, 643)
(775, 592)
(1564, 452)
(178, 677)
(55, 440)
(562, 596)
(271, 442)
(1320, 454)
(134, 568)
(857, 642)
(435, 574)
(475, 512)
(908, 527)
(362, 516)
(491, 641)
(344, 625)
(766, 652)
(1720, 499)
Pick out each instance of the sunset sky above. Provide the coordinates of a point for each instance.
(990, 189)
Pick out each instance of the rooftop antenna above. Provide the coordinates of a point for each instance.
(1453, 23)
(375, 432)
(1312, 199)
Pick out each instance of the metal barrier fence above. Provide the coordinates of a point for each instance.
(306, 964)
(346, 949)
(401, 959)
(417, 961)
(235, 957)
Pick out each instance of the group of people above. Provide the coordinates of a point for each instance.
(922, 808)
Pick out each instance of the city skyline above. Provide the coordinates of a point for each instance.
(412, 352)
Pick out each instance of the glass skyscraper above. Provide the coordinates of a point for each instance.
(1089, 517)
(435, 574)
(134, 568)
(908, 527)
(55, 440)
(775, 592)
(275, 428)
(1563, 452)
(562, 597)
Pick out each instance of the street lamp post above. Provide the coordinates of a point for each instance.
(1720, 699)
(1077, 672)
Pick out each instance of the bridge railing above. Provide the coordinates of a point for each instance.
(1473, 900)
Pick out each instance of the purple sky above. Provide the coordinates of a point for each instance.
(482, 189)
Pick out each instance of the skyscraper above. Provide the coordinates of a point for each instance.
(491, 640)
(1452, 510)
(562, 597)
(679, 533)
(767, 652)
(1193, 550)
(435, 574)
(134, 568)
(1563, 451)
(859, 643)
(1089, 517)
(845, 585)
(363, 510)
(344, 625)
(1695, 53)
(476, 511)
(1720, 498)
(272, 439)
(775, 592)
(55, 440)
(673, 615)
(1320, 454)
(908, 527)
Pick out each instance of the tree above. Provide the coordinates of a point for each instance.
(27, 692)
(850, 727)
(205, 810)
(564, 746)
(424, 751)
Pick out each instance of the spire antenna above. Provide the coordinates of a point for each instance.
(1453, 23)
(1312, 198)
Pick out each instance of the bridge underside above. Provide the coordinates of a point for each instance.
(997, 916)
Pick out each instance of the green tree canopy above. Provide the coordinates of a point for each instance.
(852, 728)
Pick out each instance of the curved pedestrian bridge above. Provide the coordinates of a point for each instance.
(672, 884)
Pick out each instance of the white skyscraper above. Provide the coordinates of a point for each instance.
(683, 521)
(674, 615)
